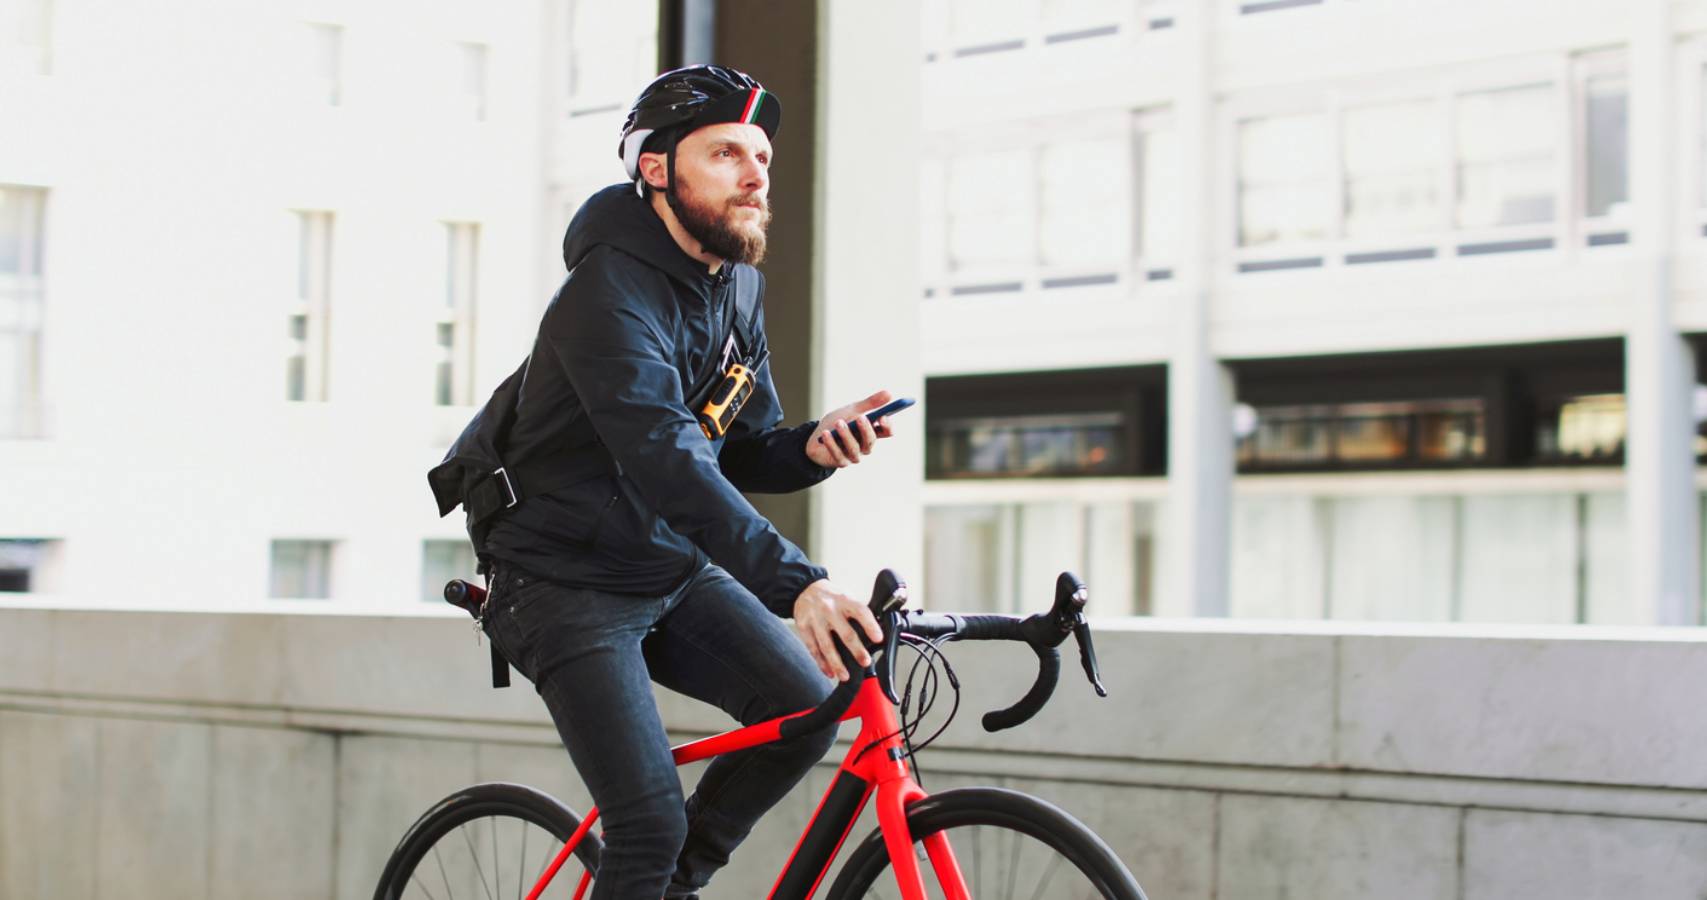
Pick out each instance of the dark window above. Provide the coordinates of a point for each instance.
(1098, 422)
(1401, 432)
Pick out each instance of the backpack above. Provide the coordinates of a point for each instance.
(475, 475)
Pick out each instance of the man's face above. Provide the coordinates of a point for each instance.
(722, 189)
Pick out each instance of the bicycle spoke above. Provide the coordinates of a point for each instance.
(1049, 873)
(449, 894)
(522, 862)
(1013, 864)
(475, 855)
(497, 871)
(417, 880)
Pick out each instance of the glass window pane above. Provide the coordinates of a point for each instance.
(613, 50)
(471, 61)
(1392, 156)
(976, 22)
(989, 196)
(1160, 195)
(1505, 157)
(1086, 203)
(441, 562)
(933, 214)
(301, 570)
(323, 57)
(1284, 187)
(1607, 122)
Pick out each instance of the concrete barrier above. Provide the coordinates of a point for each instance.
(186, 755)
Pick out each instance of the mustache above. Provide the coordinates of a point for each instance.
(764, 203)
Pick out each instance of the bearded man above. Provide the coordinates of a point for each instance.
(650, 565)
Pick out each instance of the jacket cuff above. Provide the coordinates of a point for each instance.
(813, 472)
(790, 582)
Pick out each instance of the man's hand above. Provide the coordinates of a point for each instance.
(822, 610)
(844, 435)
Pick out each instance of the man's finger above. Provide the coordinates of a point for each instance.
(873, 401)
(828, 439)
(812, 648)
(827, 646)
(850, 443)
(868, 622)
(867, 435)
(851, 641)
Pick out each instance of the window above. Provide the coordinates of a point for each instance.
(1285, 182)
(1581, 428)
(26, 36)
(1359, 435)
(1392, 155)
(611, 48)
(1085, 215)
(453, 382)
(29, 565)
(442, 561)
(1603, 148)
(1098, 422)
(1021, 212)
(21, 216)
(1160, 194)
(1505, 157)
(470, 92)
(1067, 444)
(306, 325)
(990, 199)
(323, 57)
(301, 570)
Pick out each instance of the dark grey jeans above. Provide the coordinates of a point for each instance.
(592, 656)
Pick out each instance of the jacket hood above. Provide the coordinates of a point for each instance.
(618, 217)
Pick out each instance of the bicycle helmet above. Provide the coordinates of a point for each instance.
(679, 101)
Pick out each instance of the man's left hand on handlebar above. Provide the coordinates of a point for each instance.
(823, 613)
(844, 436)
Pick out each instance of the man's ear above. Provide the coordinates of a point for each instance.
(651, 167)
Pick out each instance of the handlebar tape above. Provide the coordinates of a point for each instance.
(830, 711)
(1048, 672)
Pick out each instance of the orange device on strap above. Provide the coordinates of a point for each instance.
(726, 401)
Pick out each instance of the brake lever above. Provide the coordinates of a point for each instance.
(1088, 655)
(1071, 596)
(886, 669)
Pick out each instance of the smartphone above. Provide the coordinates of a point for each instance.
(889, 409)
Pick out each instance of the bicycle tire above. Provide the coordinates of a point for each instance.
(514, 810)
(1008, 815)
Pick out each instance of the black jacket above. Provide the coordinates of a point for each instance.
(624, 346)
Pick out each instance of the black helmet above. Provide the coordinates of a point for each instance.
(679, 101)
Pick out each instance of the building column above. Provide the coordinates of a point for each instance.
(1200, 393)
(842, 277)
(1659, 376)
(867, 296)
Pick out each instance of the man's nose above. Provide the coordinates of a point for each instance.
(754, 176)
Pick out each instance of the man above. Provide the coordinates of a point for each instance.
(653, 565)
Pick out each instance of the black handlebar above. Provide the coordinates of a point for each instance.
(1044, 632)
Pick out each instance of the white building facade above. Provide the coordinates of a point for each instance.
(1438, 266)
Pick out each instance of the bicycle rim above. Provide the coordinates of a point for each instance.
(1009, 846)
(488, 842)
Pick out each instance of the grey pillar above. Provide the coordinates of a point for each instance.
(1200, 434)
(1659, 368)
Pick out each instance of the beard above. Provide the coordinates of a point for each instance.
(717, 227)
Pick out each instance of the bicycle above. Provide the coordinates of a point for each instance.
(914, 827)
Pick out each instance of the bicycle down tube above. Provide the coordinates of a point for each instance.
(874, 764)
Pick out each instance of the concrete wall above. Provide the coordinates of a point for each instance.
(179, 755)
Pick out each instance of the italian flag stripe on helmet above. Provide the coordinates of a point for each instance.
(751, 110)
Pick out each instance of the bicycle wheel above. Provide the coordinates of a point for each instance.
(1009, 845)
(487, 841)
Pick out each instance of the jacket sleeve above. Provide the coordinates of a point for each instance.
(611, 338)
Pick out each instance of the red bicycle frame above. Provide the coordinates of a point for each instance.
(875, 764)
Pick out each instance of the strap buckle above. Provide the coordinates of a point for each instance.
(510, 489)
